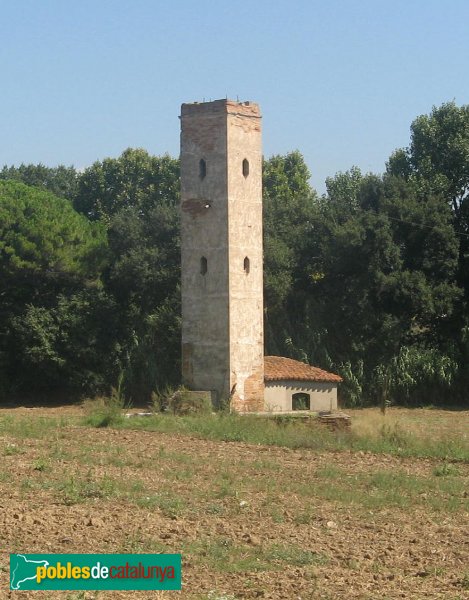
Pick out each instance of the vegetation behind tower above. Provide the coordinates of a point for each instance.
(370, 279)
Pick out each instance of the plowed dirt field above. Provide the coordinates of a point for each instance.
(250, 521)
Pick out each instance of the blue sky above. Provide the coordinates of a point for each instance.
(341, 81)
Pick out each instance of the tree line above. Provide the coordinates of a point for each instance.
(369, 280)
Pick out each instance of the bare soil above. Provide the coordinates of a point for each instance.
(243, 498)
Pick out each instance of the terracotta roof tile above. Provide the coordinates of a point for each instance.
(277, 368)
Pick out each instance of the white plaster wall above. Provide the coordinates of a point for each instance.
(278, 395)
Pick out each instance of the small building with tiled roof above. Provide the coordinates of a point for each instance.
(293, 385)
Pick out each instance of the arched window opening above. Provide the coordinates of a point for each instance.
(202, 168)
(300, 401)
(247, 265)
(245, 167)
(203, 265)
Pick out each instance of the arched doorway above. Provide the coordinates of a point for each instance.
(300, 401)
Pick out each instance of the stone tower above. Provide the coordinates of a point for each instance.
(221, 248)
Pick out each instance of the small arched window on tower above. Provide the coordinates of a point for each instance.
(202, 168)
(247, 265)
(245, 167)
(203, 265)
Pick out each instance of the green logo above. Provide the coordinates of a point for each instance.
(95, 571)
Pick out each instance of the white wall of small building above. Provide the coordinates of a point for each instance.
(278, 395)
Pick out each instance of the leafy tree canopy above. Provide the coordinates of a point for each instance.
(40, 232)
(438, 154)
(61, 180)
(342, 193)
(134, 179)
(289, 205)
(136, 196)
(73, 345)
(388, 272)
(52, 309)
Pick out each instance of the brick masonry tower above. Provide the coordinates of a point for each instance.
(221, 252)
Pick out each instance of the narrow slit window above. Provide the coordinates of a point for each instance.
(247, 265)
(203, 265)
(300, 401)
(202, 168)
(245, 167)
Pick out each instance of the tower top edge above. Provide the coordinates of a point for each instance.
(246, 108)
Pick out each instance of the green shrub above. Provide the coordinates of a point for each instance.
(187, 402)
(351, 389)
(107, 411)
(416, 375)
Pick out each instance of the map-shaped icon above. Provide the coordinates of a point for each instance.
(23, 569)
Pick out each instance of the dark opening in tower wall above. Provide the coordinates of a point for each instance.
(247, 265)
(245, 167)
(203, 265)
(202, 168)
